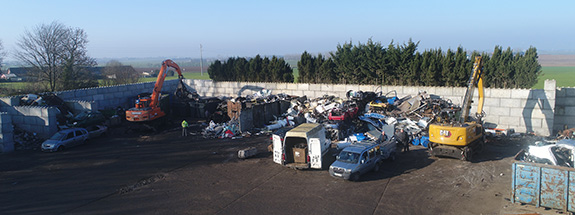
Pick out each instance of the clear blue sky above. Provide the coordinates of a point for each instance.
(246, 28)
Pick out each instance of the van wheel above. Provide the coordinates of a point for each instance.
(354, 177)
(392, 157)
(376, 167)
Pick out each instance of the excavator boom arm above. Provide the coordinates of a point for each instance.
(476, 79)
(160, 80)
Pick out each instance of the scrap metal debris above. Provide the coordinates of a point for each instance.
(25, 140)
(342, 117)
(247, 152)
(559, 153)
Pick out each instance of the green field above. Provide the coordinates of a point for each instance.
(565, 76)
(187, 75)
(13, 85)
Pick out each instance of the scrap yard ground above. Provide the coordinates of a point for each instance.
(165, 173)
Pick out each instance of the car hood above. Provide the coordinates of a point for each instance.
(51, 142)
(344, 165)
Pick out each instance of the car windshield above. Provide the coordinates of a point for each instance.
(348, 157)
(58, 136)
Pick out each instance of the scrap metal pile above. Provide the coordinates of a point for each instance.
(551, 152)
(342, 117)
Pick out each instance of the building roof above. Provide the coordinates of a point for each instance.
(18, 71)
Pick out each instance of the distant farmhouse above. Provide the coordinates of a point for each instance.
(22, 73)
(15, 74)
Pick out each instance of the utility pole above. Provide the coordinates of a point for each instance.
(201, 62)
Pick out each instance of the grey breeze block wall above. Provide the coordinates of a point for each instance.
(542, 111)
(42, 120)
(525, 110)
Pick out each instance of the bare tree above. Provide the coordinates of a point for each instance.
(117, 73)
(76, 59)
(57, 55)
(2, 55)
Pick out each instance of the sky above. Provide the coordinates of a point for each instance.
(142, 28)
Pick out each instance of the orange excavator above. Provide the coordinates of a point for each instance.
(148, 108)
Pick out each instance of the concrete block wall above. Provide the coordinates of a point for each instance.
(543, 111)
(82, 106)
(111, 97)
(6, 133)
(36, 119)
(524, 110)
(564, 108)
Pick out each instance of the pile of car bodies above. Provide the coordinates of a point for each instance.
(359, 112)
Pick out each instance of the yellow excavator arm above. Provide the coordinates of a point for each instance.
(476, 79)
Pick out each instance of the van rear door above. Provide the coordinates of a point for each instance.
(315, 153)
(277, 148)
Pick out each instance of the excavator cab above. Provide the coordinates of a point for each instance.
(143, 101)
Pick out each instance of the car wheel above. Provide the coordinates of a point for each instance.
(60, 148)
(354, 177)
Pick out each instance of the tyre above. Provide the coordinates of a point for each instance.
(376, 167)
(467, 154)
(60, 148)
(391, 157)
(354, 177)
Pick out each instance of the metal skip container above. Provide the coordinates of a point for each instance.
(543, 185)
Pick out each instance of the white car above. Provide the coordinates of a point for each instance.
(65, 139)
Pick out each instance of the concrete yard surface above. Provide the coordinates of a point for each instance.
(165, 173)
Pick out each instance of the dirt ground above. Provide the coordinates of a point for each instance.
(165, 173)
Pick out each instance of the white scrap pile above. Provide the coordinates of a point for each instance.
(559, 153)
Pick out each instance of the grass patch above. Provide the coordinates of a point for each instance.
(13, 85)
(295, 75)
(564, 76)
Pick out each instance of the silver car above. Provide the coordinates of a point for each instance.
(65, 139)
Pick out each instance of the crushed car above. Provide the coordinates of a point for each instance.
(561, 153)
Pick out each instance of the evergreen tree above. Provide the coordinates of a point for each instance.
(305, 67)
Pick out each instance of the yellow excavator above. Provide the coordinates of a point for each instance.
(463, 136)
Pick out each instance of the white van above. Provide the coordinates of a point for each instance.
(302, 147)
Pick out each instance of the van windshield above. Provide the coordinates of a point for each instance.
(348, 157)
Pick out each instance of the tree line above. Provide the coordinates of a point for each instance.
(58, 57)
(372, 63)
(255, 69)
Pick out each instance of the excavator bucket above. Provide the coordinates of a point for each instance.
(182, 92)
